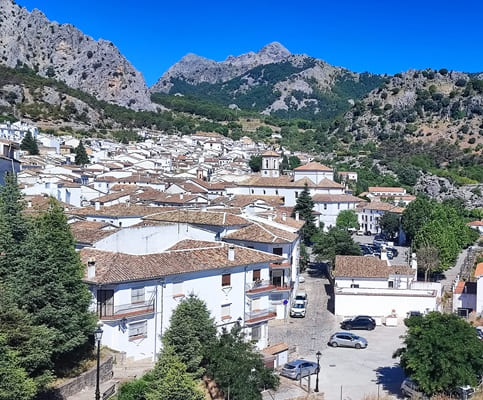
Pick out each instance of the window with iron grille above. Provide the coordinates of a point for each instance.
(225, 311)
(226, 280)
(138, 330)
(256, 333)
(137, 295)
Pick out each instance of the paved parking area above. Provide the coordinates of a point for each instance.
(356, 372)
(403, 252)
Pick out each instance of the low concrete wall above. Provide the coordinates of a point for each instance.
(87, 379)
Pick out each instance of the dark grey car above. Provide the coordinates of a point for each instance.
(347, 339)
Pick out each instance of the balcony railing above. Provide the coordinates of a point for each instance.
(125, 310)
(255, 316)
(259, 286)
(281, 265)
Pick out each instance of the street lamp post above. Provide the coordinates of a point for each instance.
(98, 337)
(318, 354)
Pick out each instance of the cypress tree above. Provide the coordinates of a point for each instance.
(304, 207)
(49, 286)
(81, 157)
(29, 144)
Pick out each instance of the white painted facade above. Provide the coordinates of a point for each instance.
(329, 212)
(139, 335)
(314, 176)
(479, 295)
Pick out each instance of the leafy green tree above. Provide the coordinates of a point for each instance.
(238, 368)
(284, 165)
(347, 219)
(135, 389)
(304, 257)
(441, 353)
(294, 162)
(14, 381)
(29, 144)
(255, 163)
(190, 333)
(428, 260)
(416, 214)
(81, 157)
(304, 207)
(13, 227)
(390, 223)
(49, 286)
(171, 381)
(335, 242)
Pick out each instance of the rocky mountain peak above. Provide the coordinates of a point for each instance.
(274, 50)
(63, 52)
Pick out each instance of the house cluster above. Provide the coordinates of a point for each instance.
(160, 220)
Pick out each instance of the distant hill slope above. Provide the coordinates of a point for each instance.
(421, 105)
(63, 52)
(272, 81)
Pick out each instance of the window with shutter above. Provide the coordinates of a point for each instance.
(226, 280)
(137, 295)
(138, 330)
(256, 275)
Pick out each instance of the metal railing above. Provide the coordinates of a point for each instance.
(266, 312)
(122, 310)
(259, 285)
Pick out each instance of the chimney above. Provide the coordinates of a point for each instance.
(270, 217)
(29, 204)
(384, 253)
(297, 216)
(181, 196)
(203, 207)
(414, 262)
(98, 205)
(91, 268)
(284, 216)
(231, 253)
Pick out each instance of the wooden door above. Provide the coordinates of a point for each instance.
(105, 303)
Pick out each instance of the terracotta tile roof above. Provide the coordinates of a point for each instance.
(192, 188)
(286, 181)
(367, 267)
(479, 269)
(475, 223)
(200, 218)
(335, 198)
(270, 153)
(40, 203)
(156, 196)
(258, 232)
(243, 200)
(381, 206)
(119, 210)
(119, 267)
(210, 185)
(90, 232)
(465, 287)
(112, 196)
(313, 166)
(275, 349)
(385, 189)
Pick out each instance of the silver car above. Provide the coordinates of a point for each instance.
(347, 339)
(298, 369)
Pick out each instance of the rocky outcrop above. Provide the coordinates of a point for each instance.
(194, 69)
(441, 188)
(63, 52)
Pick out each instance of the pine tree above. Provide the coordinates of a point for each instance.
(190, 332)
(29, 144)
(170, 381)
(49, 286)
(304, 207)
(81, 157)
(13, 228)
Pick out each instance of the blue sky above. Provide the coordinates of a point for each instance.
(381, 36)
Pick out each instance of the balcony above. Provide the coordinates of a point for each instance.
(259, 286)
(111, 313)
(257, 316)
(283, 265)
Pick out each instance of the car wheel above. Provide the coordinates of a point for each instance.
(348, 327)
(334, 344)
(370, 327)
(357, 346)
(297, 378)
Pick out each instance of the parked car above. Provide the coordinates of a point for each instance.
(366, 250)
(410, 389)
(298, 309)
(479, 332)
(301, 279)
(360, 232)
(302, 296)
(298, 369)
(367, 233)
(392, 250)
(359, 322)
(347, 339)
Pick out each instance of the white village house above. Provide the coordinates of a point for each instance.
(134, 296)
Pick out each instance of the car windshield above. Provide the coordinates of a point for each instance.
(300, 297)
(298, 305)
(289, 366)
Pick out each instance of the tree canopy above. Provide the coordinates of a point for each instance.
(81, 157)
(335, 242)
(441, 353)
(304, 207)
(255, 163)
(29, 144)
(347, 219)
(389, 224)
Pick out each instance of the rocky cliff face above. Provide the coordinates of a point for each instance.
(194, 69)
(63, 52)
